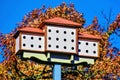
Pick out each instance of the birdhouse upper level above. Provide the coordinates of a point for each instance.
(61, 35)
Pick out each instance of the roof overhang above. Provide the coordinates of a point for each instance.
(29, 30)
(88, 36)
(62, 22)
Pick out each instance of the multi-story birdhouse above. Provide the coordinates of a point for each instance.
(57, 40)
(29, 39)
(61, 35)
(88, 45)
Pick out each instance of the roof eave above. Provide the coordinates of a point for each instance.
(60, 24)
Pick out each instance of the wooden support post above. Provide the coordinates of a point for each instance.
(57, 72)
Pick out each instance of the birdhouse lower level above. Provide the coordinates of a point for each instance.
(88, 48)
(26, 41)
(88, 45)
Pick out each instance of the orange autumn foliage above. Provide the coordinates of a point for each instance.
(15, 68)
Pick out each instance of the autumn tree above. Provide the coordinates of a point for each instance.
(107, 66)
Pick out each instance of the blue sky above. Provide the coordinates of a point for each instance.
(12, 11)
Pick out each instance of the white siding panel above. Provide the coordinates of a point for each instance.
(33, 42)
(61, 39)
(17, 47)
(88, 48)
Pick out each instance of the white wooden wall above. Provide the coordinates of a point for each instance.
(33, 42)
(17, 46)
(88, 48)
(61, 39)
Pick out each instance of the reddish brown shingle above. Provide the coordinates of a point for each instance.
(61, 21)
(88, 36)
(30, 29)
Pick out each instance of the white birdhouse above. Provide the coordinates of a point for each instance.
(88, 45)
(61, 35)
(30, 39)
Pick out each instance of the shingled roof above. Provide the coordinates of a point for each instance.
(30, 29)
(61, 21)
(88, 36)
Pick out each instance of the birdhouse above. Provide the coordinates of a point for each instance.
(88, 45)
(57, 41)
(29, 39)
(61, 35)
